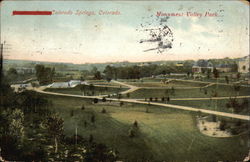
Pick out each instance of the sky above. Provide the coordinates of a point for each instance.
(110, 38)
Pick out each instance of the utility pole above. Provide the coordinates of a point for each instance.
(76, 136)
(1, 63)
(1, 74)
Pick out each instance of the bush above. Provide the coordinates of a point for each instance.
(104, 99)
(131, 133)
(121, 103)
(135, 124)
(103, 111)
(95, 100)
(214, 119)
(91, 138)
(222, 125)
(92, 119)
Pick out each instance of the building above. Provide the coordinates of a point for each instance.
(201, 66)
(69, 84)
(73, 83)
(23, 70)
(243, 65)
(224, 68)
(179, 64)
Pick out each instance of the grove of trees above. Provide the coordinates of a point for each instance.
(44, 74)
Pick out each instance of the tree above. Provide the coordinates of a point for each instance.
(133, 131)
(12, 74)
(92, 88)
(216, 73)
(83, 88)
(222, 125)
(72, 113)
(208, 74)
(92, 119)
(95, 100)
(91, 138)
(103, 111)
(135, 124)
(97, 75)
(44, 74)
(109, 72)
(16, 126)
(55, 128)
(121, 103)
(238, 76)
(173, 91)
(236, 88)
(227, 79)
(104, 99)
(12, 71)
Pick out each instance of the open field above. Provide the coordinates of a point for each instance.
(164, 134)
(217, 105)
(222, 91)
(171, 83)
(77, 91)
(103, 83)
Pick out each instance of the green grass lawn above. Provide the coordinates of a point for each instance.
(211, 105)
(174, 83)
(222, 91)
(77, 91)
(104, 83)
(164, 134)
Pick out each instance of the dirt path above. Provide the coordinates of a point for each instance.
(132, 88)
(231, 115)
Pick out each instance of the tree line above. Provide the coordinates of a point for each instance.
(137, 72)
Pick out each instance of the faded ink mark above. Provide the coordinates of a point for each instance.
(157, 32)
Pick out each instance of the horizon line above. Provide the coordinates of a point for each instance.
(120, 61)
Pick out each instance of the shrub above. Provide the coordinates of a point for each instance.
(222, 125)
(103, 111)
(95, 100)
(91, 138)
(121, 103)
(131, 133)
(92, 119)
(104, 99)
(135, 124)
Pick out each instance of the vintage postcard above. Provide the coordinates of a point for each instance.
(124, 81)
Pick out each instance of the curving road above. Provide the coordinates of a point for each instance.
(230, 115)
(134, 88)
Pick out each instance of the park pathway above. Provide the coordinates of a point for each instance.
(230, 115)
(131, 87)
